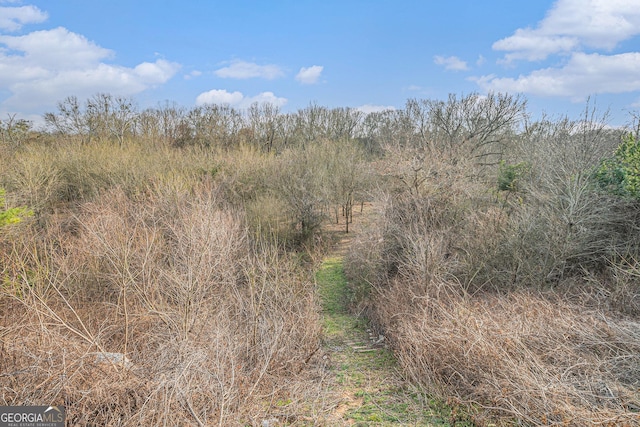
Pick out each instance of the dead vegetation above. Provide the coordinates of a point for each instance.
(164, 275)
(487, 305)
(523, 356)
(157, 309)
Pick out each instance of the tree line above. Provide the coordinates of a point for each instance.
(480, 122)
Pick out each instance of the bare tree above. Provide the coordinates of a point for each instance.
(171, 116)
(14, 131)
(311, 123)
(102, 117)
(211, 125)
(348, 176)
(478, 125)
(343, 123)
(69, 120)
(263, 121)
(111, 117)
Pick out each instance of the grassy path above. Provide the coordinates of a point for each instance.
(365, 379)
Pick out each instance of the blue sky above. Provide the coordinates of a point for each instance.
(370, 54)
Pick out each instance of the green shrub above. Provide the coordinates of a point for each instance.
(11, 215)
(620, 174)
(509, 176)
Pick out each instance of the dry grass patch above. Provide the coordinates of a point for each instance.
(521, 357)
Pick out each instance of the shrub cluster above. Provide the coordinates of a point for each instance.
(511, 287)
(620, 174)
(138, 295)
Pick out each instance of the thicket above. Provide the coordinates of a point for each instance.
(501, 265)
(136, 295)
(164, 276)
(507, 281)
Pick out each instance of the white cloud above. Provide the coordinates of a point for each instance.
(13, 18)
(193, 74)
(153, 73)
(583, 34)
(533, 46)
(265, 97)
(237, 99)
(369, 108)
(57, 48)
(452, 63)
(43, 67)
(247, 70)
(113, 79)
(571, 24)
(219, 96)
(583, 75)
(309, 75)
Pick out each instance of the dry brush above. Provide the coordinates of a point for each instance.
(156, 309)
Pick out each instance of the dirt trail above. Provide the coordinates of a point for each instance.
(365, 379)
